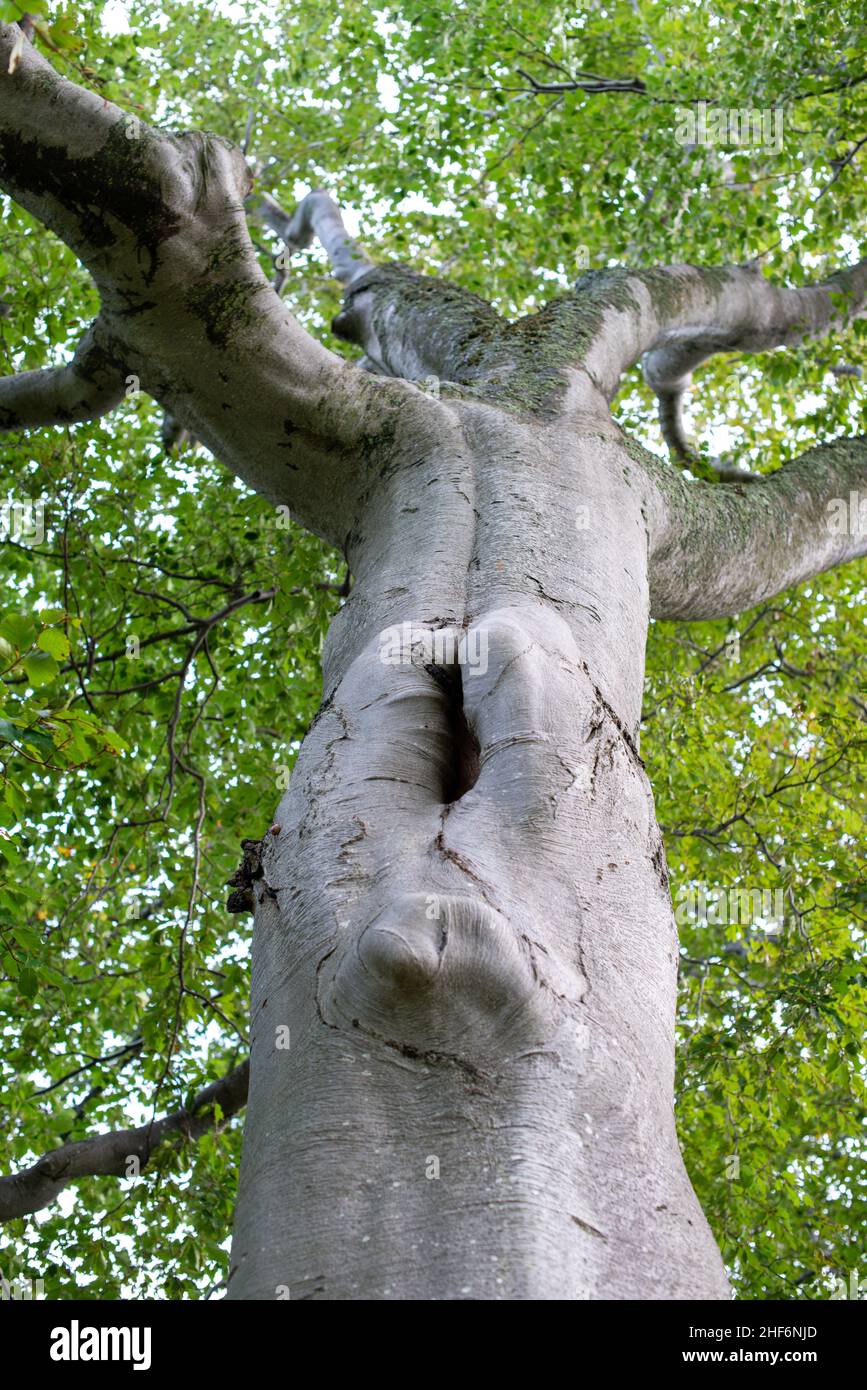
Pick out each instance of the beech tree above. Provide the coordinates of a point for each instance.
(459, 1076)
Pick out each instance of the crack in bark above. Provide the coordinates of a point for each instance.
(585, 1226)
(429, 1057)
(455, 857)
(615, 719)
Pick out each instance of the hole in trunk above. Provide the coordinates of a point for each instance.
(463, 767)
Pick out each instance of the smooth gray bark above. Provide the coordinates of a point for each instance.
(464, 921)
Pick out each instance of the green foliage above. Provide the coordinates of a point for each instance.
(130, 773)
(757, 746)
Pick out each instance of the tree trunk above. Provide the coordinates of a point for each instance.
(472, 942)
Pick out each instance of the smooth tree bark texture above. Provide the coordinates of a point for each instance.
(464, 922)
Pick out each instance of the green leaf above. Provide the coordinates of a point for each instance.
(40, 668)
(19, 629)
(28, 982)
(53, 641)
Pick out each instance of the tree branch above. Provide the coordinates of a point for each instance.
(410, 325)
(108, 1155)
(78, 163)
(678, 317)
(718, 551)
(87, 387)
(159, 221)
(585, 82)
(134, 1046)
(753, 317)
(318, 216)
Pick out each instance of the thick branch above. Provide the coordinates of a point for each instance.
(85, 169)
(766, 318)
(410, 325)
(415, 326)
(159, 221)
(87, 387)
(718, 551)
(108, 1155)
(318, 216)
(678, 317)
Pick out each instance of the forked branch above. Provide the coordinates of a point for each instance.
(750, 316)
(409, 325)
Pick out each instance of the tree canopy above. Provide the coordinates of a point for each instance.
(161, 624)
